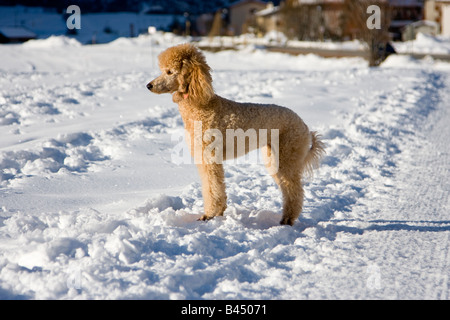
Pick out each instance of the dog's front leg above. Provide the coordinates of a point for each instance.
(213, 190)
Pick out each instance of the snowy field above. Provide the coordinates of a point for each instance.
(92, 205)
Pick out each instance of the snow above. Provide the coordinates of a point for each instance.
(93, 207)
(425, 44)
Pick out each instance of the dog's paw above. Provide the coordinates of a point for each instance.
(287, 221)
(204, 218)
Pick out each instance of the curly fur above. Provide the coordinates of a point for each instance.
(186, 75)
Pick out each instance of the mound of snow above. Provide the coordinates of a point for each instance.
(275, 36)
(52, 42)
(425, 44)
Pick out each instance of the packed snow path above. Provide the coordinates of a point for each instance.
(92, 205)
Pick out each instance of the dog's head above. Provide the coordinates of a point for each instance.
(184, 71)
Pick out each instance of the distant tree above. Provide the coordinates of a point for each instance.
(371, 20)
(216, 28)
(302, 21)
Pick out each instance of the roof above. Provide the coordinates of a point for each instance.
(421, 23)
(17, 33)
(425, 23)
(269, 10)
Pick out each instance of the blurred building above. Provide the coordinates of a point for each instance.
(323, 19)
(15, 34)
(423, 26)
(242, 15)
(404, 13)
(439, 11)
(269, 19)
(329, 19)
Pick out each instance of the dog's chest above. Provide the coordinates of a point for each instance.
(190, 115)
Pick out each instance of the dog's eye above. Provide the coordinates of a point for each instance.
(169, 72)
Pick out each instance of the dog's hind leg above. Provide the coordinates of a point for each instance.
(288, 177)
(213, 190)
(292, 191)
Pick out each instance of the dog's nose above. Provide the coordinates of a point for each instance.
(149, 86)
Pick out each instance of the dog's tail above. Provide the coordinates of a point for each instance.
(314, 155)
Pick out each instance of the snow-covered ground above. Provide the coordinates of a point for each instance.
(425, 44)
(92, 205)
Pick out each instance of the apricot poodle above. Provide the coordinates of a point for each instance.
(289, 148)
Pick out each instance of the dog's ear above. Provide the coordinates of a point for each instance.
(184, 78)
(195, 81)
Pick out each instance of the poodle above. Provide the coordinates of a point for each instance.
(289, 149)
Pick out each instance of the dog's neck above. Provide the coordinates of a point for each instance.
(178, 97)
(186, 100)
